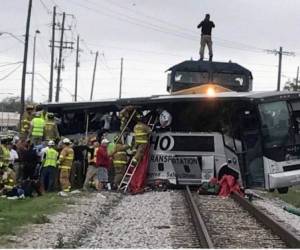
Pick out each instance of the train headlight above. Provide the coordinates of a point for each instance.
(210, 91)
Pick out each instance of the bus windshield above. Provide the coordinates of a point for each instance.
(275, 123)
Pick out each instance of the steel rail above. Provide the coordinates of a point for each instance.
(199, 224)
(291, 239)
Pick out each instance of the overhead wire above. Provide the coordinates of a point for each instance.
(10, 73)
(139, 22)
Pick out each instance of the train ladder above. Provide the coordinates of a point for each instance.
(124, 184)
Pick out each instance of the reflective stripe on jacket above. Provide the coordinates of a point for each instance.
(50, 131)
(38, 125)
(4, 156)
(141, 133)
(51, 158)
(66, 158)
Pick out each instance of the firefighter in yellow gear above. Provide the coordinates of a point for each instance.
(8, 176)
(7, 180)
(124, 116)
(119, 159)
(4, 152)
(37, 129)
(141, 134)
(26, 121)
(65, 162)
(50, 130)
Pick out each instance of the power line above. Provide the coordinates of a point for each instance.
(8, 64)
(140, 22)
(11, 72)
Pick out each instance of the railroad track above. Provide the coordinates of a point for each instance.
(236, 223)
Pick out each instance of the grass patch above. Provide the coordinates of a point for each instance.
(15, 213)
(292, 197)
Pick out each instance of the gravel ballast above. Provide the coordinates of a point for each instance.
(67, 227)
(274, 207)
(149, 220)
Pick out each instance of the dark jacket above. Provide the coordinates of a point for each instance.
(206, 27)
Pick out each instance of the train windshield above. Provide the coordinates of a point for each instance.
(229, 79)
(191, 77)
(225, 79)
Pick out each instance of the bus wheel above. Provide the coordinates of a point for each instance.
(271, 190)
(283, 190)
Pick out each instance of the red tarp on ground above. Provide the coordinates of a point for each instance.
(228, 185)
(138, 180)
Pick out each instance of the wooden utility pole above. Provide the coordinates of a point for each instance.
(76, 69)
(297, 77)
(60, 57)
(121, 79)
(94, 74)
(25, 60)
(280, 53)
(52, 56)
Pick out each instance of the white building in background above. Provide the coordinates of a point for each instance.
(9, 120)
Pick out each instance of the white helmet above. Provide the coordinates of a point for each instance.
(104, 141)
(51, 143)
(165, 119)
(66, 141)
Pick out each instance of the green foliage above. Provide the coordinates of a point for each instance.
(12, 104)
(291, 85)
(15, 213)
(292, 197)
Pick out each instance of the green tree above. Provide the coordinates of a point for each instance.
(291, 85)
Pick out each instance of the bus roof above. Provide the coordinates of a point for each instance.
(116, 104)
(207, 66)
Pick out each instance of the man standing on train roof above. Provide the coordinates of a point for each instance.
(206, 26)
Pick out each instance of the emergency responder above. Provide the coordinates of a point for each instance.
(141, 135)
(125, 115)
(49, 167)
(25, 122)
(119, 159)
(50, 130)
(8, 177)
(65, 162)
(37, 129)
(7, 180)
(4, 152)
(92, 168)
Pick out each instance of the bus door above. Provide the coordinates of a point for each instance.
(253, 168)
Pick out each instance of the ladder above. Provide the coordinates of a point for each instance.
(124, 184)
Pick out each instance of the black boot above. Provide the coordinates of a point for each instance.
(210, 58)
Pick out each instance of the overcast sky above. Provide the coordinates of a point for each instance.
(151, 36)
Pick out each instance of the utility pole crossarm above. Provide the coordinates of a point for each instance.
(279, 52)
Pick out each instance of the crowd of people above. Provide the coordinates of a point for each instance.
(39, 160)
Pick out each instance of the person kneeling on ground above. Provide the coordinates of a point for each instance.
(102, 160)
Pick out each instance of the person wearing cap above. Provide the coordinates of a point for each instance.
(102, 162)
(25, 122)
(49, 167)
(65, 162)
(92, 168)
(37, 129)
(50, 130)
